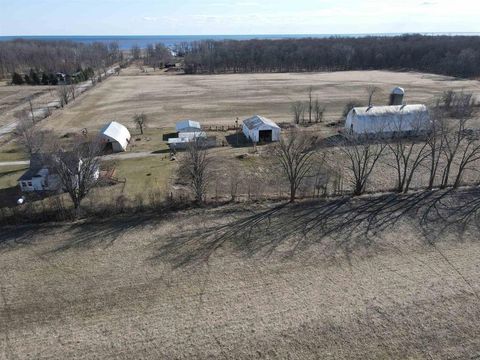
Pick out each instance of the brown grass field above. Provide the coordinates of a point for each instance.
(252, 280)
(220, 99)
(155, 287)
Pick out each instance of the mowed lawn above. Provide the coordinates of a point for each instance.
(117, 289)
(220, 99)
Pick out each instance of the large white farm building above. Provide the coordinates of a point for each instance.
(387, 119)
(115, 136)
(260, 129)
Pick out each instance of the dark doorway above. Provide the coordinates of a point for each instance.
(265, 135)
(108, 148)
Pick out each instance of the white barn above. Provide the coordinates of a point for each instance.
(258, 128)
(116, 136)
(387, 119)
(187, 126)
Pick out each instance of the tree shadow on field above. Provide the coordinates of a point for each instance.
(102, 232)
(12, 237)
(344, 224)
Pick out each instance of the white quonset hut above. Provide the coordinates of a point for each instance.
(387, 119)
(115, 136)
(187, 126)
(258, 128)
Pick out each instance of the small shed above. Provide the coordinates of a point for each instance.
(115, 136)
(186, 126)
(185, 138)
(260, 129)
(387, 119)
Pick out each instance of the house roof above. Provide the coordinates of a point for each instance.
(185, 124)
(365, 113)
(257, 121)
(28, 175)
(116, 132)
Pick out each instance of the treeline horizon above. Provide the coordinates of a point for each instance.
(447, 55)
(22, 56)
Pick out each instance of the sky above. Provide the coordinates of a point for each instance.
(222, 17)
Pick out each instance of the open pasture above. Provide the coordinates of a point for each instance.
(220, 99)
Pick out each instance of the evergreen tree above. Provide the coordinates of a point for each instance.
(17, 79)
(27, 79)
(53, 79)
(34, 77)
(45, 79)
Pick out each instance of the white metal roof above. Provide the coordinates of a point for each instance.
(257, 121)
(365, 113)
(185, 124)
(117, 132)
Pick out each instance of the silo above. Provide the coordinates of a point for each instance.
(396, 96)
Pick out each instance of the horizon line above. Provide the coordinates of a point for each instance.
(265, 34)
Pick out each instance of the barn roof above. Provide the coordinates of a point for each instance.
(185, 124)
(257, 121)
(116, 132)
(366, 113)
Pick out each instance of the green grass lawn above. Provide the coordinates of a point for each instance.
(10, 174)
(151, 140)
(12, 152)
(144, 174)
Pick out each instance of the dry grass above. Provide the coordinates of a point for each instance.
(108, 289)
(220, 99)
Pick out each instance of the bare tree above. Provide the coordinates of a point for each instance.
(408, 152)
(371, 90)
(298, 110)
(362, 155)
(457, 140)
(135, 52)
(30, 104)
(72, 91)
(310, 104)
(435, 143)
(295, 155)
(470, 153)
(63, 93)
(32, 138)
(319, 110)
(140, 121)
(195, 167)
(77, 170)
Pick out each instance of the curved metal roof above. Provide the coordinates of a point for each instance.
(117, 132)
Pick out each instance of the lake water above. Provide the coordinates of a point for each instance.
(127, 41)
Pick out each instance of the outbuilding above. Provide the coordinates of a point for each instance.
(187, 126)
(115, 136)
(260, 129)
(387, 119)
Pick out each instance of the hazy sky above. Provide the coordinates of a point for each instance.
(186, 17)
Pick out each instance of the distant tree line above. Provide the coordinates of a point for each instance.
(36, 78)
(448, 55)
(156, 55)
(49, 57)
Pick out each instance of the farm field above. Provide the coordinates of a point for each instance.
(220, 99)
(140, 287)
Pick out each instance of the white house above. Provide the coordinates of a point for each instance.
(41, 175)
(258, 128)
(387, 119)
(115, 136)
(185, 126)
